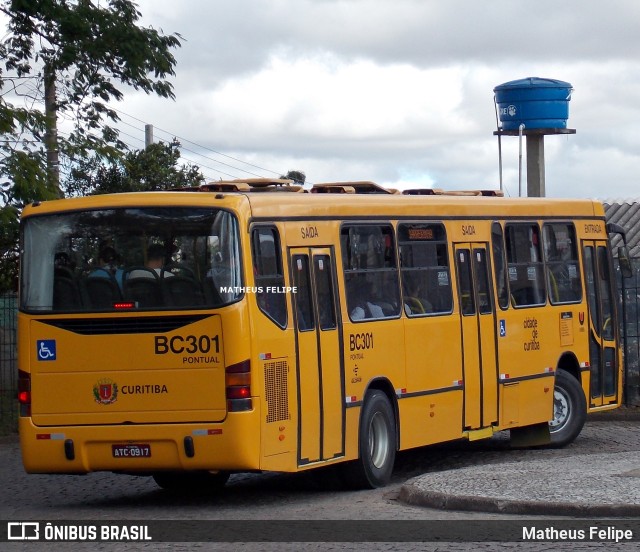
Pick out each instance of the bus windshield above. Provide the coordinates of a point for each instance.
(134, 258)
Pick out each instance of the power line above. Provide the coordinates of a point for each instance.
(134, 146)
(196, 162)
(204, 147)
(200, 165)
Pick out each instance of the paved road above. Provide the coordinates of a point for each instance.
(310, 496)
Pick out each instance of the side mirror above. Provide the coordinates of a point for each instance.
(624, 262)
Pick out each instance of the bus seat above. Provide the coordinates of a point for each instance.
(143, 291)
(101, 292)
(142, 285)
(66, 293)
(181, 291)
(178, 269)
(375, 310)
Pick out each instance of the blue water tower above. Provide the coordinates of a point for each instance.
(532, 107)
(534, 102)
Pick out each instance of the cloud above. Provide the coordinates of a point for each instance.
(401, 91)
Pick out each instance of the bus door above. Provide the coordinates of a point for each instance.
(478, 326)
(602, 323)
(320, 365)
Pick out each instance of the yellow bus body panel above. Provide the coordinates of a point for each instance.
(419, 361)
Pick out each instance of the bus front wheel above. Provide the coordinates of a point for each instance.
(190, 482)
(569, 410)
(376, 444)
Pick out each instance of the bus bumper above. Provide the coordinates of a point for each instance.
(142, 448)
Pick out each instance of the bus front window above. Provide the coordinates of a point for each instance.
(143, 258)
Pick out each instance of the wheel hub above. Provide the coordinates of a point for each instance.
(561, 410)
(378, 440)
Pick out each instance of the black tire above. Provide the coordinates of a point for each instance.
(569, 410)
(376, 444)
(191, 482)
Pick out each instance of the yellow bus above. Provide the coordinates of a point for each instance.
(253, 325)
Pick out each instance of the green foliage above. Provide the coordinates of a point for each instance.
(298, 177)
(90, 48)
(152, 169)
(25, 183)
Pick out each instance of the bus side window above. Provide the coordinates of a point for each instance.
(426, 283)
(500, 265)
(268, 272)
(561, 262)
(371, 275)
(524, 261)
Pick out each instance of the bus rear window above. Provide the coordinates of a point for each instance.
(142, 258)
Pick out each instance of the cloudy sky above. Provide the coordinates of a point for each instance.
(396, 91)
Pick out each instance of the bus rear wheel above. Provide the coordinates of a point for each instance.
(376, 444)
(191, 482)
(569, 410)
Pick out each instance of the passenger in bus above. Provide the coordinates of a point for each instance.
(413, 302)
(357, 294)
(108, 261)
(63, 265)
(366, 310)
(155, 263)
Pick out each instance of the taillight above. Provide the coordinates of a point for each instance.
(238, 392)
(24, 393)
(238, 386)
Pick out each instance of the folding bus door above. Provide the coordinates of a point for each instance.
(477, 320)
(602, 323)
(318, 328)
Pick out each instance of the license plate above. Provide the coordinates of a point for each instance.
(131, 451)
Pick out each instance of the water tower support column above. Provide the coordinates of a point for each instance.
(535, 165)
(535, 155)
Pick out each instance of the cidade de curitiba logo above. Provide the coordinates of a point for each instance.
(105, 391)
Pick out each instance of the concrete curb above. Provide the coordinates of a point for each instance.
(593, 485)
(410, 494)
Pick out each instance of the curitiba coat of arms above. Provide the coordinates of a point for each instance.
(105, 391)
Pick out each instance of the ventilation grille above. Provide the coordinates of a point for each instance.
(275, 376)
(123, 325)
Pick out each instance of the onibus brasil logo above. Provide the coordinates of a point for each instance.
(105, 391)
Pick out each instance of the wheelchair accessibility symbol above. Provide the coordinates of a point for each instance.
(503, 328)
(46, 349)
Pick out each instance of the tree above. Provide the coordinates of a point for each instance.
(63, 60)
(151, 169)
(76, 50)
(298, 177)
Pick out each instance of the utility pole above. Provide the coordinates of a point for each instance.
(148, 135)
(51, 129)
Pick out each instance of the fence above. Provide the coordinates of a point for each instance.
(8, 370)
(630, 310)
